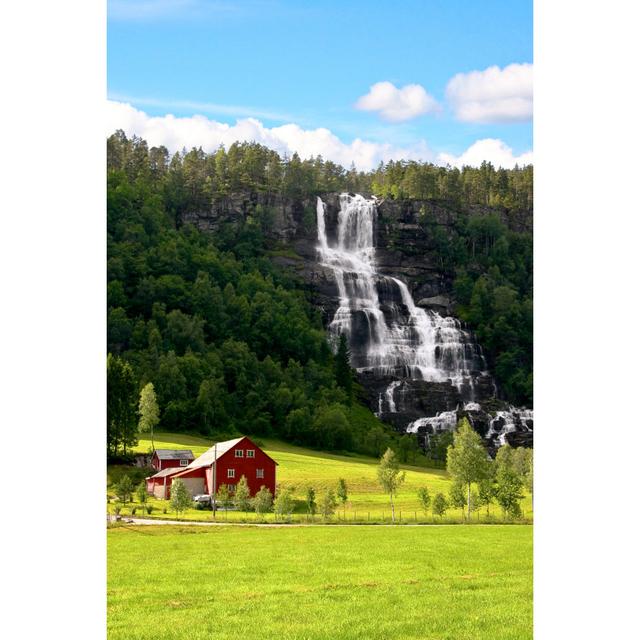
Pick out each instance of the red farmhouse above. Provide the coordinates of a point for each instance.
(165, 458)
(230, 460)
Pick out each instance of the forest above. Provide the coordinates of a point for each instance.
(230, 341)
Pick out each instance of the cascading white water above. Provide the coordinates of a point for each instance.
(392, 336)
(509, 421)
(389, 335)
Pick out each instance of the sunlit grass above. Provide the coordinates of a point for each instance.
(314, 583)
(300, 467)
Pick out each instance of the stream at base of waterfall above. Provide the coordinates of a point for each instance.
(391, 338)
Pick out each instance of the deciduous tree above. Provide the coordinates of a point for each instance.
(242, 495)
(148, 411)
(440, 505)
(467, 458)
(262, 501)
(424, 498)
(390, 477)
(180, 497)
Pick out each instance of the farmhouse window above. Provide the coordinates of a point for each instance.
(239, 453)
(231, 473)
(231, 487)
(259, 473)
(184, 463)
(251, 453)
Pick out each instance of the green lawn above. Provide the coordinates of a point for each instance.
(367, 582)
(300, 467)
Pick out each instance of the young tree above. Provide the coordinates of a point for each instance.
(141, 492)
(344, 377)
(262, 501)
(508, 483)
(523, 465)
(148, 410)
(341, 493)
(475, 502)
(486, 493)
(425, 499)
(223, 496)
(242, 495)
(467, 459)
(457, 497)
(124, 489)
(390, 477)
(310, 501)
(283, 505)
(440, 505)
(180, 497)
(328, 504)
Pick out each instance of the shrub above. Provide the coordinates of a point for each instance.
(117, 508)
(164, 510)
(133, 511)
(149, 508)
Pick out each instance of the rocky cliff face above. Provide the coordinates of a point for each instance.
(404, 250)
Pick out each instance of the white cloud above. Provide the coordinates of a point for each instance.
(198, 131)
(494, 95)
(489, 149)
(396, 104)
(177, 133)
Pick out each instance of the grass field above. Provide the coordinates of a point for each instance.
(300, 468)
(322, 582)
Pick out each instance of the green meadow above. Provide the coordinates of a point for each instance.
(366, 582)
(300, 468)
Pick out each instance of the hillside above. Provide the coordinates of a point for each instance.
(300, 468)
(215, 295)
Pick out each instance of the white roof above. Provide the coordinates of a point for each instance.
(215, 453)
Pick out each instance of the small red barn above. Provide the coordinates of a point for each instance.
(159, 484)
(229, 460)
(165, 458)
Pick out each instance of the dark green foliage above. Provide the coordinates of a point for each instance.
(228, 340)
(124, 489)
(122, 393)
(438, 445)
(344, 377)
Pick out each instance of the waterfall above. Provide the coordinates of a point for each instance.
(391, 337)
(388, 334)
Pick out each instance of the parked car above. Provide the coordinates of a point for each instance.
(203, 498)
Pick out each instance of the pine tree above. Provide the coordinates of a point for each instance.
(121, 405)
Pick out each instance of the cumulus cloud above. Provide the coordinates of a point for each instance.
(177, 133)
(396, 104)
(494, 95)
(490, 150)
(198, 131)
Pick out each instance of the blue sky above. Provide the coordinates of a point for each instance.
(309, 63)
